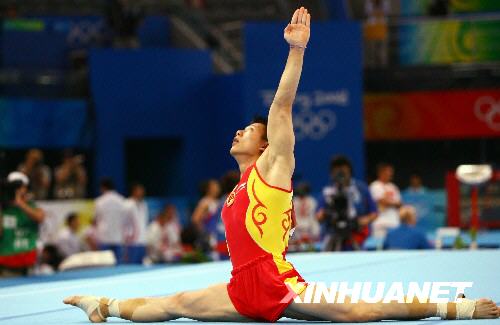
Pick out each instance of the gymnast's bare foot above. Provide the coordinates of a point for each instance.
(486, 308)
(90, 305)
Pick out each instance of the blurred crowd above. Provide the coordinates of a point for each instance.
(68, 180)
(342, 217)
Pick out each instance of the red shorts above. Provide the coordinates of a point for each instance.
(259, 292)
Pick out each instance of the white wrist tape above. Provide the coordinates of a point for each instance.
(113, 307)
(442, 310)
(465, 308)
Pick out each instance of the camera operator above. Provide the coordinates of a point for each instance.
(347, 208)
(19, 227)
(70, 178)
(37, 172)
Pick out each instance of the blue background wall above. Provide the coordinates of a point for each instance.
(57, 36)
(331, 83)
(54, 36)
(174, 94)
(164, 94)
(26, 123)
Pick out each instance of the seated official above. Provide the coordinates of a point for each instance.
(407, 236)
(68, 241)
(163, 237)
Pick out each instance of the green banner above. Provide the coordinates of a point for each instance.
(449, 41)
(422, 7)
(25, 25)
(465, 6)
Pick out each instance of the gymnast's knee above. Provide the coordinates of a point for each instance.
(156, 309)
(178, 303)
(364, 312)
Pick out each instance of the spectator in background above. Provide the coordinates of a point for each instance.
(124, 17)
(68, 242)
(439, 8)
(406, 236)
(89, 236)
(50, 259)
(361, 209)
(135, 224)
(423, 202)
(164, 237)
(307, 228)
(205, 217)
(38, 174)
(70, 178)
(388, 198)
(196, 4)
(10, 11)
(19, 227)
(227, 183)
(416, 185)
(110, 213)
(376, 32)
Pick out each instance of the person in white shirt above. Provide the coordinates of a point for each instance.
(89, 237)
(307, 228)
(164, 237)
(135, 224)
(388, 199)
(68, 242)
(110, 213)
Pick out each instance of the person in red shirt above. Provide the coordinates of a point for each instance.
(258, 217)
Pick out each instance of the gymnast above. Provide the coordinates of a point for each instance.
(258, 218)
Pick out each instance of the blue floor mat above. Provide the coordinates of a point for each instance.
(38, 300)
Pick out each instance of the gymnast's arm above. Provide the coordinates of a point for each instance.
(280, 128)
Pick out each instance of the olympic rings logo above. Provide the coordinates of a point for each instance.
(85, 32)
(487, 109)
(313, 125)
(309, 123)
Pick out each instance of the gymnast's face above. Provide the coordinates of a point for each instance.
(249, 141)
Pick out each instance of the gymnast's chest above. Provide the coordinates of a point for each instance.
(236, 205)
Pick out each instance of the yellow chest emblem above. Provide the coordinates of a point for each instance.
(269, 216)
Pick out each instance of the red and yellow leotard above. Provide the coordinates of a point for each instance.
(258, 218)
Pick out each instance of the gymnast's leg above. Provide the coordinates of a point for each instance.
(210, 304)
(368, 312)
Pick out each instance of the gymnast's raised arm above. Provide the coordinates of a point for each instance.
(278, 160)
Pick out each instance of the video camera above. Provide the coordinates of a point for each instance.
(8, 191)
(339, 223)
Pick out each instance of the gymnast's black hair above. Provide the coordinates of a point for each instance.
(261, 120)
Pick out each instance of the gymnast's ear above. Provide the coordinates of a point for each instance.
(264, 147)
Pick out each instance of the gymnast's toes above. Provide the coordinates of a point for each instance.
(72, 300)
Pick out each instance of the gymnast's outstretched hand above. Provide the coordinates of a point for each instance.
(299, 29)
